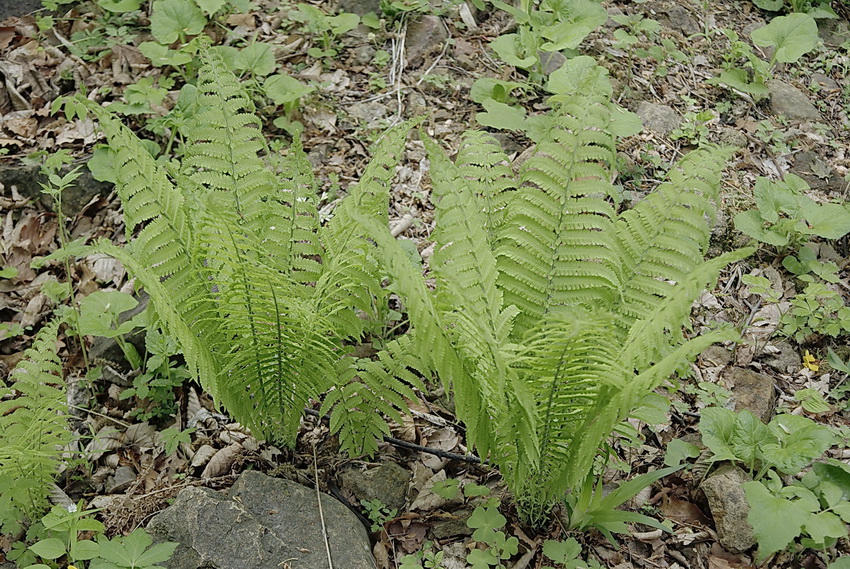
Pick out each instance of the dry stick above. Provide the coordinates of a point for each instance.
(404, 444)
(321, 513)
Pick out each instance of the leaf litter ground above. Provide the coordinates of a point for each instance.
(128, 472)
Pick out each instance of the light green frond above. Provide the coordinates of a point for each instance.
(557, 247)
(664, 237)
(33, 424)
(224, 144)
(370, 392)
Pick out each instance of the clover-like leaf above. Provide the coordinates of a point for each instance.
(485, 520)
(791, 36)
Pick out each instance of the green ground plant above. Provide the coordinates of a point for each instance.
(815, 506)
(813, 8)
(263, 301)
(790, 37)
(548, 332)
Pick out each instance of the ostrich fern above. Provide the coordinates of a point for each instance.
(266, 303)
(553, 315)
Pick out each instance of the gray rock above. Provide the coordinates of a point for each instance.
(786, 360)
(387, 483)
(658, 118)
(424, 34)
(27, 179)
(363, 54)
(259, 524)
(452, 525)
(834, 32)
(369, 113)
(18, 8)
(791, 102)
(752, 391)
(825, 82)
(716, 356)
(359, 7)
(729, 508)
(818, 174)
(680, 19)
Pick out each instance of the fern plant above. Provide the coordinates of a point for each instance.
(266, 304)
(33, 431)
(552, 315)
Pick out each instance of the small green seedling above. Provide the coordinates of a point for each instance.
(378, 513)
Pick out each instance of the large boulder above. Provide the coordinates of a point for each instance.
(261, 523)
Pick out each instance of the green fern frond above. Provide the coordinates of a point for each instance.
(665, 236)
(370, 391)
(33, 428)
(557, 247)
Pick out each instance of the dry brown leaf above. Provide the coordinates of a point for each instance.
(203, 455)
(221, 462)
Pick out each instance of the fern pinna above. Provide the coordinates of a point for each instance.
(553, 316)
(266, 304)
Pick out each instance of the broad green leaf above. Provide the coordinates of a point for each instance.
(50, 548)
(828, 220)
(770, 5)
(768, 196)
(162, 55)
(119, 6)
(507, 48)
(176, 19)
(836, 472)
(501, 116)
(812, 401)
(283, 89)
(824, 525)
(210, 6)
(739, 80)
(840, 563)
(776, 522)
(257, 58)
(678, 451)
(85, 549)
(748, 436)
(491, 88)
(101, 166)
(100, 310)
(717, 426)
(751, 223)
(8, 273)
(564, 35)
(579, 74)
(791, 36)
(485, 520)
(801, 440)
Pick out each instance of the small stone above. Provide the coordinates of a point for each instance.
(716, 356)
(367, 112)
(658, 118)
(387, 483)
(825, 82)
(364, 54)
(452, 525)
(790, 102)
(260, 523)
(818, 174)
(729, 507)
(424, 34)
(752, 391)
(359, 7)
(680, 19)
(834, 32)
(785, 359)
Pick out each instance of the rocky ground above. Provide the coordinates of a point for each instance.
(801, 127)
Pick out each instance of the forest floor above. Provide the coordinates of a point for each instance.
(401, 69)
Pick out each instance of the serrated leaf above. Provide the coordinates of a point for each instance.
(579, 74)
(501, 116)
(791, 36)
(506, 47)
(748, 436)
(776, 522)
(828, 220)
(825, 525)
